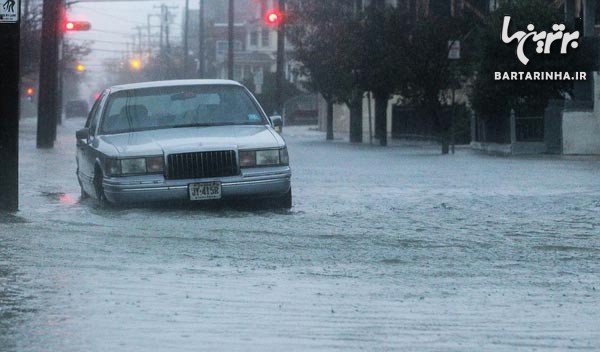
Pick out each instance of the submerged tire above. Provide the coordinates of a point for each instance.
(83, 193)
(100, 196)
(285, 202)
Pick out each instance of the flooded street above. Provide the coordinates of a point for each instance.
(394, 248)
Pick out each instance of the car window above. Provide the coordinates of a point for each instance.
(88, 122)
(96, 115)
(181, 106)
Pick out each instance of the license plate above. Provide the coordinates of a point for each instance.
(205, 191)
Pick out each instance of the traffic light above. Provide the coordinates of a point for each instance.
(135, 64)
(30, 94)
(273, 18)
(74, 26)
(80, 68)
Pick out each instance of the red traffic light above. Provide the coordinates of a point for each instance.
(273, 18)
(72, 26)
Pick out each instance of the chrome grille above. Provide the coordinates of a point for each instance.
(202, 165)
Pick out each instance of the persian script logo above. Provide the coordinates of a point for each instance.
(544, 40)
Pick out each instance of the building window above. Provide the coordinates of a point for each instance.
(254, 38)
(266, 38)
(223, 47)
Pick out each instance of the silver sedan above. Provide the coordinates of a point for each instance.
(193, 140)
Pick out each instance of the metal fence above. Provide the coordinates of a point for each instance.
(530, 129)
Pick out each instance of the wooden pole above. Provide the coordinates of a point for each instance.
(9, 113)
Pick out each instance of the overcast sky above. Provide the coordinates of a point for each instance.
(113, 25)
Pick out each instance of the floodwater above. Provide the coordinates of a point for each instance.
(394, 248)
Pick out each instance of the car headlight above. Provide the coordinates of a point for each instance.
(155, 165)
(247, 158)
(266, 157)
(133, 166)
(136, 166)
(284, 157)
(112, 167)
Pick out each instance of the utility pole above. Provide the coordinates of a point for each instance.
(61, 78)
(9, 109)
(62, 14)
(139, 48)
(166, 67)
(26, 8)
(280, 58)
(167, 28)
(231, 38)
(201, 33)
(47, 101)
(149, 33)
(186, 50)
(162, 30)
(163, 10)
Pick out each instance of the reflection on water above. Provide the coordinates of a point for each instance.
(6, 218)
(11, 301)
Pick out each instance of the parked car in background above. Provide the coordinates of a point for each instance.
(302, 117)
(192, 140)
(302, 110)
(77, 108)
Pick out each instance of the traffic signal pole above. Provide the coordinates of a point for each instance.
(280, 58)
(48, 102)
(9, 111)
(186, 50)
(201, 66)
(231, 38)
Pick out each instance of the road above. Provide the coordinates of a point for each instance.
(394, 248)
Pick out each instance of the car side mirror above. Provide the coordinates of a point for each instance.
(82, 134)
(277, 122)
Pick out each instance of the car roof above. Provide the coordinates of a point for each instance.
(175, 83)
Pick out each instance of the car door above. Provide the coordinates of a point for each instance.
(85, 152)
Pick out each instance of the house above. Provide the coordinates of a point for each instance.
(255, 43)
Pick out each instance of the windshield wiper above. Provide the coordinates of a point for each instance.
(216, 124)
(191, 125)
(247, 123)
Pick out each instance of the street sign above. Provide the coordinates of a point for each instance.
(454, 49)
(9, 12)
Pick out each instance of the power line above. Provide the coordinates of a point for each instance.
(112, 51)
(93, 41)
(109, 31)
(111, 16)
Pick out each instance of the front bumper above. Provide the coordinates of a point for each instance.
(258, 182)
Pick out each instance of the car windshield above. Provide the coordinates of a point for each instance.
(181, 106)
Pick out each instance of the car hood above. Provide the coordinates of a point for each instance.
(182, 140)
